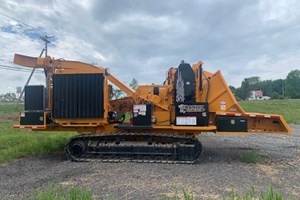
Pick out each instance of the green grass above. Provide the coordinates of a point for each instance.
(18, 143)
(60, 193)
(182, 195)
(271, 194)
(10, 107)
(75, 193)
(251, 157)
(288, 108)
(251, 194)
(186, 195)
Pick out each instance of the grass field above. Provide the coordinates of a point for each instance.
(18, 143)
(288, 108)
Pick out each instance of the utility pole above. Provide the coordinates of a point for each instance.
(282, 87)
(45, 49)
(45, 39)
(23, 90)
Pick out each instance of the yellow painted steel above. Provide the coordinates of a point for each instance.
(215, 92)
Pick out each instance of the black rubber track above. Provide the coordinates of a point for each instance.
(127, 147)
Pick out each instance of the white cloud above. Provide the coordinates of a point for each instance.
(140, 39)
(279, 11)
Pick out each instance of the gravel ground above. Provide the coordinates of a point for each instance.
(220, 171)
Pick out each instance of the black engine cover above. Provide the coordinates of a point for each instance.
(184, 84)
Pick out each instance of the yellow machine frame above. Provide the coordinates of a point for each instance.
(215, 92)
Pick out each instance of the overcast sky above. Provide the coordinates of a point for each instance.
(142, 39)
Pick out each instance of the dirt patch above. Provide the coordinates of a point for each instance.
(220, 172)
(8, 117)
(68, 183)
(269, 170)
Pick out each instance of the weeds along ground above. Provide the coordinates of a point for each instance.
(58, 192)
(18, 143)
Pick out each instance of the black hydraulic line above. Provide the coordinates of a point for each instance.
(208, 88)
(200, 77)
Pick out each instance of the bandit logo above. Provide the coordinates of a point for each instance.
(191, 108)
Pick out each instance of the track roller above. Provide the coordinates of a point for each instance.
(135, 148)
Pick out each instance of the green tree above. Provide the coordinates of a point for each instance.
(8, 97)
(278, 87)
(133, 84)
(292, 84)
(117, 93)
(265, 86)
(253, 80)
(244, 90)
(232, 88)
(248, 84)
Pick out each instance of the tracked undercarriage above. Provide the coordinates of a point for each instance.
(80, 97)
(127, 147)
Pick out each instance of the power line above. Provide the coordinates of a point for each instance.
(12, 68)
(43, 34)
(22, 22)
(23, 39)
(28, 41)
(4, 60)
(44, 37)
(18, 70)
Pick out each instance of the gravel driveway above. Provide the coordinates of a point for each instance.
(220, 171)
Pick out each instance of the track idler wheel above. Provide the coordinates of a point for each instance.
(77, 148)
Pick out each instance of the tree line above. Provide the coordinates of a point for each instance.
(8, 97)
(276, 89)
